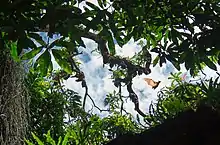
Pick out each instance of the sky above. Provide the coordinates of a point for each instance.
(100, 84)
(99, 80)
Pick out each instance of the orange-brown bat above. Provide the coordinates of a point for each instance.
(152, 83)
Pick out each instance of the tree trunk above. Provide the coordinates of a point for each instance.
(13, 101)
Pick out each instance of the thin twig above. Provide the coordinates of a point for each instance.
(122, 102)
(101, 110)
(85, 95)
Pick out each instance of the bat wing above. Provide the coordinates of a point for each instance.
(149, 81)
(152, 83)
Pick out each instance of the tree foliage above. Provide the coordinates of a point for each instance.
(180, 32)
(50, 104)
(182, 96)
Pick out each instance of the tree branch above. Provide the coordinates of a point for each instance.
(123, 63)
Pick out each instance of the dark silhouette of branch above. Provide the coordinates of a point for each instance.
(134, 99)
(122, 102)
(85, 95)
(101, 110)
(132, 69)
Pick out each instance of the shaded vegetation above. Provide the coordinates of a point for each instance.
(189, 127)
(180, 32)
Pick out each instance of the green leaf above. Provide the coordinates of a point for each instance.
(189, 60)
(44, 63)
(59, 140)
(31, 53)
(89, 13)
(204, 87)
(156, 61)
(218, 59)
(109, 38)
(184, 46)
(119, 40)
(174, 35)
(57, 42)
(95, 21)
(80, 42)
(162, 60)
(188, 36)
(176, 65)
(75, 9)
(71, 46)
(14, 52)
(209, 63)
(66, 137)
(153, 41)
(50, 139)
(92, 6)
(166, 35)
(111, 45)
(61, 61)
(156, 50)
(38, 38)
(173, 61)
(216, 82)
(114, 29)
(24, 43)
(37, 139)
(100, 3)
(28, 142)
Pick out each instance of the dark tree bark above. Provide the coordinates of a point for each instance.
(13, 101)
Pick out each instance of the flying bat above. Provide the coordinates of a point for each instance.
(152, 83)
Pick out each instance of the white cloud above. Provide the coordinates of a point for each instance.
(100, 84)
(99, 81)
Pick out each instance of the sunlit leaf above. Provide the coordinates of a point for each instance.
(50, 139)
(155, 61)
(59, 140)
(37, 139)
(31, 53)
(66, 137)
(14, 52)
(28, 142)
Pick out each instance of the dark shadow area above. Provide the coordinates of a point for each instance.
(200, 127)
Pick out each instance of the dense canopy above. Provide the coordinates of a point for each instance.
(178, 31)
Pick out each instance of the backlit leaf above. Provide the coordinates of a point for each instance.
(210, 64)
(61, 61)
(38, 38)
(31, 53)
(44, 63)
